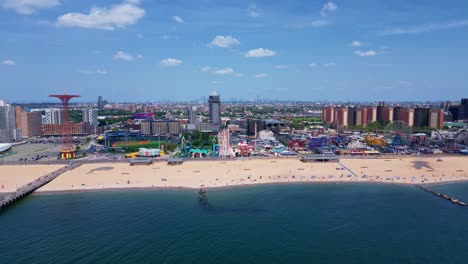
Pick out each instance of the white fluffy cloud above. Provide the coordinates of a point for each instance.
(169, 62)
(261, 75)
(324, 65)
(252, 11)
(319, 23)
(356, 43)
(27, 7)
(227, 71)
(260, 52)
(98, 72)
(224, 41)
(368, 53)
(205, 68)
(177, 19)
(121, 15)
(328, 7)
(120, 55)
(9, 62)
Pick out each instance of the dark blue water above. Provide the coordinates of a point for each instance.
(316, 223)
(456, 190)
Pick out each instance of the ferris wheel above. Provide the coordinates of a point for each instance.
(398, 133)
(462, 137)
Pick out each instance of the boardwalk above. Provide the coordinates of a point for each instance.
(29, 188)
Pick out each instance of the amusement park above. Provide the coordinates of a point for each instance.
(396, 138)
(341, 130)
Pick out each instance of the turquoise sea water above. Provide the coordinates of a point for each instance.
(309, 223)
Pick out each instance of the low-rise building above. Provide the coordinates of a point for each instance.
(76, 129)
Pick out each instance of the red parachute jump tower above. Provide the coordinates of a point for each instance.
(67, 151)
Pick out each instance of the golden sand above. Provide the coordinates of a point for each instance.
(217, 173)
(15, 176)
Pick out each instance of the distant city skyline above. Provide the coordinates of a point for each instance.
(152, 51)
(204, 100)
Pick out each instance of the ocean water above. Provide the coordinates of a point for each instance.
(308, 223)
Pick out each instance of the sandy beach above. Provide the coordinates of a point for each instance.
(12, 177)
(193, 174)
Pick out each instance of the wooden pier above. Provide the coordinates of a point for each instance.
(29, 188)
(443, 196)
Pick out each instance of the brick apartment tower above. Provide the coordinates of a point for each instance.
(436, 118)
(328, 114)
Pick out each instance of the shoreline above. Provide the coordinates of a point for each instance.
(195, 190)
(193, 174)
(159, 188)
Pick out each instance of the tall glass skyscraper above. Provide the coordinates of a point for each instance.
(214, 105)
(100, 102)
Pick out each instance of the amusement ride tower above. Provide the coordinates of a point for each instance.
(67, 150)
(224, 143)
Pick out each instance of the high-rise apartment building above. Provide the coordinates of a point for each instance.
(214, 104)
(100, 103)
(341, 117)
(387, 114)
(396, 113)
(345, 117)
(18, 111)
(361, 117)
(192, 118)
(371, 114)
(328, 114)
(464, 109)
(421, 117)
(351, 116)
(436, 118)
(455, 112)
(406, 115)
(31, 124)
(379, 114)
(192, 115)
(53, 116)
(90, 117)
(8, 130)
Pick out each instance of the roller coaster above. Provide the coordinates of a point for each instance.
(375, 141)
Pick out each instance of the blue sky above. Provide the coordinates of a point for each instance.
(131, 50)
